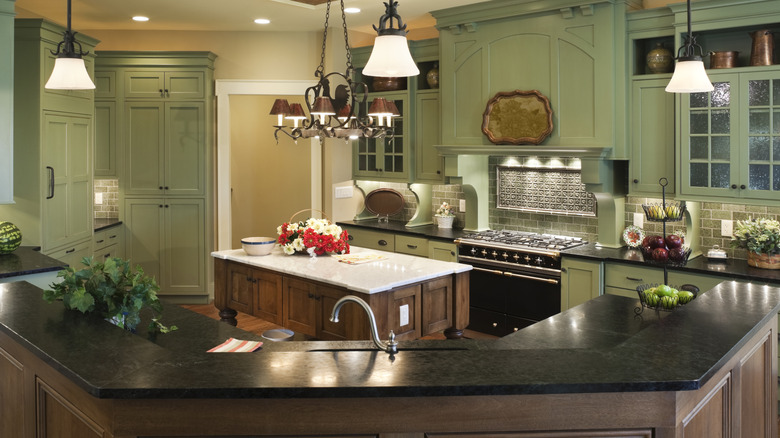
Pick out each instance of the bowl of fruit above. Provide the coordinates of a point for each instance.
(664, 297)
(665, 250)
(668, 211)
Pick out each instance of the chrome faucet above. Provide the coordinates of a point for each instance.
(391, 346)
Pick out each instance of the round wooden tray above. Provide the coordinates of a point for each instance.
(384, 202)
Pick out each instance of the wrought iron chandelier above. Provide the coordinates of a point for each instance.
(335, 102)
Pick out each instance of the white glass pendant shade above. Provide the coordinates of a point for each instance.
(689, 77)
(390, 58)
(69, 74)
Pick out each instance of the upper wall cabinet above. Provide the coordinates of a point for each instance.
(150, 84)
(729, 139)
(564, 50)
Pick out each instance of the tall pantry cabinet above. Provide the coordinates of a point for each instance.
(162, 105)
(53, 138)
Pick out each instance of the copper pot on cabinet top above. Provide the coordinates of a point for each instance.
(763, 47)
(725, 59)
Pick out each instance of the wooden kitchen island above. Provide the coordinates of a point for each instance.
(413, 296)
(706, 370)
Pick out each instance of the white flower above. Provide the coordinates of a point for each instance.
(288, 249)
(298, 244)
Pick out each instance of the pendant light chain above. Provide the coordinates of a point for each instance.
(350, 68)
(321, 69)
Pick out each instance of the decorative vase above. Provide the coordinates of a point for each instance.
(764, 261)
(659, 60)
(445, 221)
(432, 77)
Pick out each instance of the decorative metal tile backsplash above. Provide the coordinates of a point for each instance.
(543, 190)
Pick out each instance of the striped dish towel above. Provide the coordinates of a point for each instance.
(234, 345)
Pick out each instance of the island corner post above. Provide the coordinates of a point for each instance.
(439, 304)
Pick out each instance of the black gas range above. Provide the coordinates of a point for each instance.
(515, 280)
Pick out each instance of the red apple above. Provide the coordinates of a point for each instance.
(657, 242)
(673, 241)
(660, 254)
(646, 240)
(677, 254)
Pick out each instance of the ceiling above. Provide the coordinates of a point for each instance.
(226, 15)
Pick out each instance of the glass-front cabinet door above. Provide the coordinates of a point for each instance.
(730, 138)
(385, 158)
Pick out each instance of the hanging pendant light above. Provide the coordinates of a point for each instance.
(69, 72)
(689, 74)
(334, 104)
(390, 57)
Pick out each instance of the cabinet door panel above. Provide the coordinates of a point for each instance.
(143, 234)
(79, 213)
(185, 85)
(239, 287)
(427, 135)
(185, 243)
(268, 296)
(144, 145)
(12, 401)
(652, 137)
(300, 313)
(185, 154)
(147, 85)
(436, 305)
(55, 162)
(326, 298)
(105, 139)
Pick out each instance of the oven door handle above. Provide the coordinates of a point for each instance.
(528, 277)
(489, 271)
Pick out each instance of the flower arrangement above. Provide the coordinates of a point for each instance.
(445, 210)
(314, 236)
(761, 236)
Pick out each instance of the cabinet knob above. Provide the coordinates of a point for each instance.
(563, 270)
(733, 186)
(350, 237)
(438, 172)
(160, 205)
(167, 94)
(161, 92)
(636, 181)
(160, 187)
(166, 205)
(742, 187)
(452, 253)
(166, 188)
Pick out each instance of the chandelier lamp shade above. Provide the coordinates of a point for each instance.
(689, 74)
(337, 105)
(70, 72)
(390, 56)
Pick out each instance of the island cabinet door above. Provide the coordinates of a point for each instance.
(300, 313)
(11, 396)
(437, 298)
(268, 292)
(239, 287)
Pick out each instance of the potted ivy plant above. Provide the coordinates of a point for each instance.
(111, 289)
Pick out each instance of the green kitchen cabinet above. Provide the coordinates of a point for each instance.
(729, 137)
(165, 148)
(7, 102)
(53, 141)
(652, 137)
(108, 242)
(427, 134)
(386, 158)
(581, 280)
(105, 139)
(441, 250)
(155, 84)
(166, 236)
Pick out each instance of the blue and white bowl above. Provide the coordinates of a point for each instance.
(258, 246)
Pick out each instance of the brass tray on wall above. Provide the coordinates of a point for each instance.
(517, 117)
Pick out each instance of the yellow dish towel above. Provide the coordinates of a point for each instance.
(234, 345)
(356, 259)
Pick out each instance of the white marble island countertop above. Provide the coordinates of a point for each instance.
(394, 270)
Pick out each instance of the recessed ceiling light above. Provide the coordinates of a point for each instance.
(140, 18)
(262, 21)
(351, 10)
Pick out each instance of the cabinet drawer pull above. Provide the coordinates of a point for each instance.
(411, 246)
(351, 237)
(106, 255)
(112, 237)
(70, 251)
(633, 279)
(100, 241)
(382, 242)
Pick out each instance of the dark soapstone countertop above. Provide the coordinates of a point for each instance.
(733, 269)
(599, 346)
(429, 231)
(100, 224)
(27, 260)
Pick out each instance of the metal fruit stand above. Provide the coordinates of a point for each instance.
(664, 212)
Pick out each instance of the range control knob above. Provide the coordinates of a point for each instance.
(473, 251)
(539, 261)
(494, 254)
(484, 252)
(527, 258)
(516, 257)
(505, 255)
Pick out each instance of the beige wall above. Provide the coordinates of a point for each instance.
(240, 55)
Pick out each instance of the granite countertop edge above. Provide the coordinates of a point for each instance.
(600, 353)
